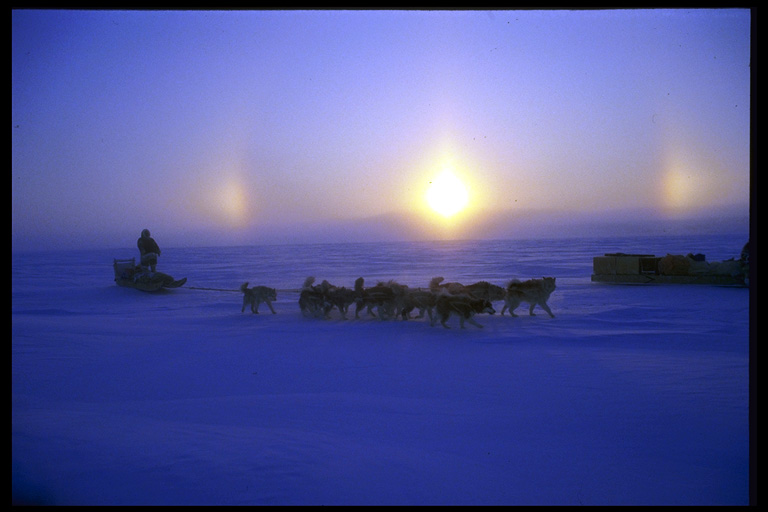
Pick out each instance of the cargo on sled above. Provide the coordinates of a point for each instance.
(623, 268)
(128, 274)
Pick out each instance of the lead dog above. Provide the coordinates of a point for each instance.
(256, 295)
(462, 305)
(532, 291)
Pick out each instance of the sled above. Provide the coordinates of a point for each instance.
(620, 268)
(127, 274)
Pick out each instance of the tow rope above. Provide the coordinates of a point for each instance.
(236, 291)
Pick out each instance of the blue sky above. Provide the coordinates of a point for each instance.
(236, 127)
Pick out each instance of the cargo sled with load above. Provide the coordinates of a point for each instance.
(671, 269)
(128, 274)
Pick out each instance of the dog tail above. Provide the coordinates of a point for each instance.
(308, 282)
(244, 286)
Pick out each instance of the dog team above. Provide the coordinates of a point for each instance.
(439, 301)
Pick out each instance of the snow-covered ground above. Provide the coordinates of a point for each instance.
(631, 395)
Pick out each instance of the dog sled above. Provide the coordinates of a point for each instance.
(129, 275)
(623, 268)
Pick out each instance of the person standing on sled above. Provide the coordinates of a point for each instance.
(148, 249)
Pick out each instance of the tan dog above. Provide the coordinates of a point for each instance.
(256, 295)
(533, 291)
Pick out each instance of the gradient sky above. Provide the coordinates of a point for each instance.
(226, 127)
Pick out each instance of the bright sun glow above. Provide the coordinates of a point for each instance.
(232, 203)
(224, 202)
(447, 195)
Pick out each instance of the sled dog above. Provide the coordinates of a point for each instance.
(256, 295)
(485, 290)
(381, 297)
(479, 290)
(312, 301)
(437, 285)
(340, 298)
(318, 301)
(532, 291)
(423, 300)
(464, 306)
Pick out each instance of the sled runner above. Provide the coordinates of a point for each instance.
(129, 275)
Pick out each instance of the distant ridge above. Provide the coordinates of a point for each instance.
(397, 227)
(510, 224)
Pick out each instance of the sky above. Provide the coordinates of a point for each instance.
(247, 127)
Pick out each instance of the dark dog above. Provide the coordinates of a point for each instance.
(382, 297)
(312, 300)
(423, 300)
(256, 295)
(464, 306)
(340, 298)
(485, 290)
(318, 301)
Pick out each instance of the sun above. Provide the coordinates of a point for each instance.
(447, 195)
